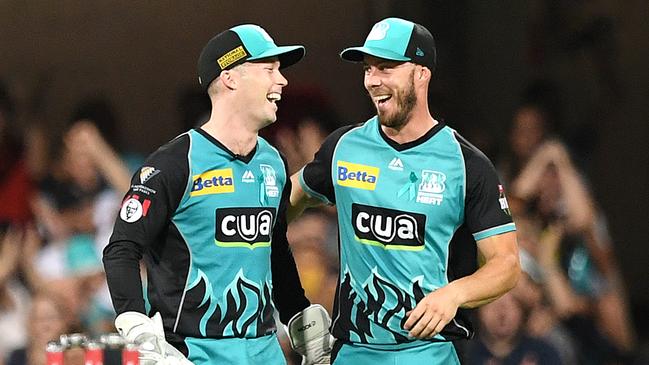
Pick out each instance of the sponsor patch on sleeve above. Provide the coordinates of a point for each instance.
(133, 209)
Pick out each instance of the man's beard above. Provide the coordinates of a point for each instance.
(405, 102)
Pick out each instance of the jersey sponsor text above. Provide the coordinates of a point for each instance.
(388, 228)
(212, 182)
(244, 227)
(357, 176)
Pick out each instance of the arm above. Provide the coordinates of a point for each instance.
(579, 203)
(487, 217)
(313, 185)
(498, 275)
(288, 293)
(565, 302)
(300, 199)
(146, 212)
(85, 138)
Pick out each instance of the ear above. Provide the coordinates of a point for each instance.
(424, 73)
(229, 79)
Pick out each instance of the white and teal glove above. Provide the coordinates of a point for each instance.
(308, 331)
(148, 334)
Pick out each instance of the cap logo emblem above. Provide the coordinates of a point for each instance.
(231, 57)
(379, 31)
(419, 52)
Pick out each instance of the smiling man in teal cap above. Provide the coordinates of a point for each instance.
(207, 214)
(417, 204)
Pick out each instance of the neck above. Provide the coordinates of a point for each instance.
(233, 131)
(418, 124)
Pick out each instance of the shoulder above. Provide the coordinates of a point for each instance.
(474, 158)
(335, 136)
(177, 148)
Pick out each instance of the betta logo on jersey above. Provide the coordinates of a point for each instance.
(212, 182)
(357, 176)
(244, 227)
(388, 228)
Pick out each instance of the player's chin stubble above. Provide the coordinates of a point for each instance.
(405, 102)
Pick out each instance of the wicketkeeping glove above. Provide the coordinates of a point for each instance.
(148, 334)
(309, 333)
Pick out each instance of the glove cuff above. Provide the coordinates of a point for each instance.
(311, 323)
(132, 325)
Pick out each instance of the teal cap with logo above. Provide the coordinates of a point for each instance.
(243, 43)
(397, 40)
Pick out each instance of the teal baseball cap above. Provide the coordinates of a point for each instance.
(397, 40)
(243, 43)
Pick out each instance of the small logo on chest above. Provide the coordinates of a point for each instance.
(248, 177)
(396, 164)
(431, 187)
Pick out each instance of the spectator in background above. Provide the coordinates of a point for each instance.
(502, 339)
(14, 298)
(16, 185)
(542, 320)
(528, 131)
(49, 318)
(100, 113)
(306, 118)
(574, 249)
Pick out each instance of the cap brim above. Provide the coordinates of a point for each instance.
(356, 54)
(287, 55)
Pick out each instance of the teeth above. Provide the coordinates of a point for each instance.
(273, 97)
(382, 98)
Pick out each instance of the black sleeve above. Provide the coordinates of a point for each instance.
(486, 209)
(288, 293)
(316, 175)
(155, 192)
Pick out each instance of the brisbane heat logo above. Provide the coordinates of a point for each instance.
(357, 176)
(388, 228)
(244, 227)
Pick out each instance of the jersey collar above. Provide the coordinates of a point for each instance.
(402, 147)
(245, 159)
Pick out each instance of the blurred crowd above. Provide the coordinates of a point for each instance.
(60, 193)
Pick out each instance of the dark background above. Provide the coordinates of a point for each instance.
(593, 54)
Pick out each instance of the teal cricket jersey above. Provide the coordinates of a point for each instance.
(408, 216)
(211, 228)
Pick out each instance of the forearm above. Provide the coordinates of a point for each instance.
(581, 211)
(492, 280)
(299, 200)
(113, 170)
(288, 293)
(526, 183)
(498, 275)
(122, 267)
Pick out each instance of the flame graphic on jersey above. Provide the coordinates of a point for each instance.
(231, 314)
(386, 306)
(380, 308)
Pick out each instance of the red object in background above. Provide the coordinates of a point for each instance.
(130, 355)
(54, 353)
(94, 354)
(16, 189)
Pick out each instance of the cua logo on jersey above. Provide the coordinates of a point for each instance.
(212, 182)
(388, 228)
(357, 176)
(244, 227)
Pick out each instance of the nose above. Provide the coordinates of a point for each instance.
(280, 79)
(372, 79)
